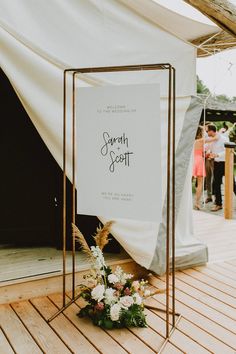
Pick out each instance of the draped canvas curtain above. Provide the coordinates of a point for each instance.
(48, 36)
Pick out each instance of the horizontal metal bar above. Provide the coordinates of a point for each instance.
(63, 308)
(138, 67)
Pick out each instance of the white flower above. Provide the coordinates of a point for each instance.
(128, 276)
(115, 312)
(124, 277)
(99, 259)
(98, 292)
(136, 285)
(109, 296)
(112, 278)
(137, 299)
(91, 282)
(126, 301)
(118, 272)
(147, 293)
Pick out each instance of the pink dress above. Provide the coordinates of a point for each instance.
(198, 165)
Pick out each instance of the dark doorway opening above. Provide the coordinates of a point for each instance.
(29, 179)
(31, 183)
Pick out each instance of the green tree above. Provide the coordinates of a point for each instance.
(201, 87)
(223, 98)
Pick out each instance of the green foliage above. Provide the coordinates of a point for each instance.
(232, 133)
(204, 90)
(132, 317)
(201, 88)
(223, 98)
(218, 125)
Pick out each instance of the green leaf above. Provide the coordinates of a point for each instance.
(108, 324)
(84, 312)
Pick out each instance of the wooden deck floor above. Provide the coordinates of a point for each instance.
(205, 297)
(219, 235)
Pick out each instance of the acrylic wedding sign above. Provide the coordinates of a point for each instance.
(118, 152)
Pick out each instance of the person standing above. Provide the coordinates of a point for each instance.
(218, 155)
(209, 165)
(232, 137)
(198, 165)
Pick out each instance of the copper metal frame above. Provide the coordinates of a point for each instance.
(170, 194)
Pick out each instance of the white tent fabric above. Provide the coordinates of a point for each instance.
(172, 21)
(48, 36)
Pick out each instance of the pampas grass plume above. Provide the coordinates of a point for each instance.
(101, 237)
(79, 237)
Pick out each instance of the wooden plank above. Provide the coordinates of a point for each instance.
(205, 279)
(205, 332)
(221, 246)
(158, 327)
(65, 330)
(209, 300)
(197, 318)
(178, 338)
(228, 248)
(39, 329)
(232, 262)
(202, 337)
(219, 254)
(216, 245)
(229, 267)
(5, 347)
(222, 256)
(214, 305)
(213, 226)
(186, 276)
(216, 224)
(19, 337)
(130, 342)
(152, 338)
(126, 338)
(100, 339)
(222, 270)
(195, 333)
(216, 232)
(217, 276)
(170, 349)
(219, 257)
(205, 310)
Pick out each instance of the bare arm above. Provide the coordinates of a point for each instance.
(210, 140)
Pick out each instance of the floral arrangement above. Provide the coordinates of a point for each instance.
(114, 299)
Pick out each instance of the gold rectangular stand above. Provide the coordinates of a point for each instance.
(170, 178)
